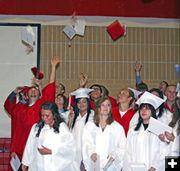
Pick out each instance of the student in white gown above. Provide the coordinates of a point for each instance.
(82, 115)
(50, 145)
(171, 141)
(143, 148)
(103, 139)
(163, 115)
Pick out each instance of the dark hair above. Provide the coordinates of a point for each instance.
(65, 105)
(76, 110)
(57, 118)
(97, 110)
(96, 85)
(63, 87)
(165, 82)
(140, 120)
(142, 87)
(176, 115)
(131, 94)
(105, 91)
(161, 107)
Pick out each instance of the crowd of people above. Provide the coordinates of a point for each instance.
(90, 130)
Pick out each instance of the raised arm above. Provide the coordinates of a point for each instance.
(137, 68)
(54, 62)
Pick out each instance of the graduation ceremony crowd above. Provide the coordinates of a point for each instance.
(90, 130)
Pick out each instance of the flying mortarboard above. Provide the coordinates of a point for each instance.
(28, 36)
(116, 30)
(79, 27)
(37, 74)
(150, 98)
(69, 31)
(81, 92)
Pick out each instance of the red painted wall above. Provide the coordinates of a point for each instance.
(121, 8)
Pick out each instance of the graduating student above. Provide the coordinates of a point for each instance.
(82, 115)
(103, 140)
(143, 148)
(171, 141)
(171, 95)
(14, 106)
(28, 114)
(124, 111)
(62, 104)
(50, 145)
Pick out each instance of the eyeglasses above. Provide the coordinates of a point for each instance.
(96, 88)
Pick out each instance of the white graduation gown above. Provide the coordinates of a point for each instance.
(111, 141)
(143, 148)
(172, 148)
(77, 133)
(61, 144)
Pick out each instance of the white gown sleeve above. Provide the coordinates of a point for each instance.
(29, 151)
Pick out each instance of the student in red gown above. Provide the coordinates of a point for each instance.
(28, 114)
(124, 111)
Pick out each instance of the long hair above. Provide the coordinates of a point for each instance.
(76, 110)
(176, 115)
(140, 120)
(57, 118)
(97, 112)
(161, 107)
(65, 105)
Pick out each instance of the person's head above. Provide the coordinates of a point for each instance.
(142, 87)
(49, 116)
(148, 103)
(61, 101)
(97, 93)
(163, 85)
(23, 94)
(60, 89)
(33, 94)
(82, 103)
(171, 93)
(125, 96)
(103, 111)
(146, 111)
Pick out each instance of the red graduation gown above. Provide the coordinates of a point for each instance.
(28, 116)
(125, 119)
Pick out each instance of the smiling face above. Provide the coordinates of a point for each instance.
(171, 93)
(82, 105)
(96, 94)
(47, 117)
(33, 94)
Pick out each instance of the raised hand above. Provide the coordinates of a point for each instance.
(83, 80)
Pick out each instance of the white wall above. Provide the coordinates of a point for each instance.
(15, 68)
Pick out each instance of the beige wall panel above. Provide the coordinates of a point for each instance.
(111, 62)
